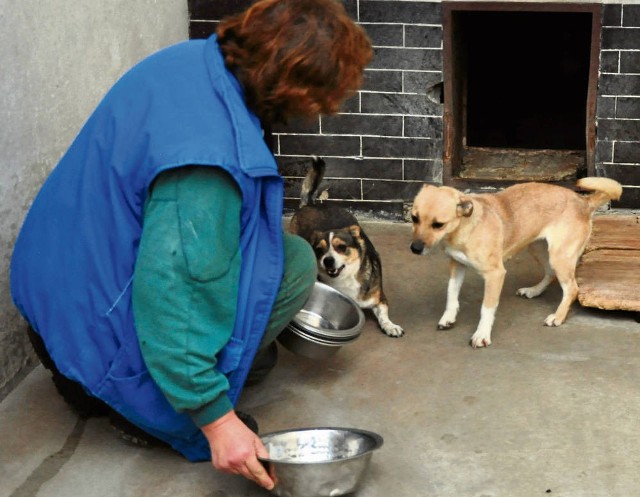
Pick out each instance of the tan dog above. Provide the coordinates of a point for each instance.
(482, 231)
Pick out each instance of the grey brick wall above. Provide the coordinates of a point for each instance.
(618, 111)
(388, 139)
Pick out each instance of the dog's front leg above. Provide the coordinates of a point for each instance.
(456, 278)
(493, 281)
(381, 312)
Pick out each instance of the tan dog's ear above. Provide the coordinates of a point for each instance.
(355, 231)
(464, 208)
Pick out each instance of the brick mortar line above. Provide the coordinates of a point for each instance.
(360, 135)
(373, 92)
(353, 157)
(404, 47)
(618, 96)
(356, 199)
(368, 157)
(619, 119)
(418, 70)
(369, 114)
(421, 24)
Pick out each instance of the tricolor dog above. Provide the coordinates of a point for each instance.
(347, 260)
(481, 231)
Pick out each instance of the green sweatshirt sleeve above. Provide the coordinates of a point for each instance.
(185, 286)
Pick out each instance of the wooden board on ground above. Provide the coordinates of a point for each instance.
(615, 232)
(609, 272)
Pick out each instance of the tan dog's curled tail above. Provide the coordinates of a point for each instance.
(604, 190)
(311, 183)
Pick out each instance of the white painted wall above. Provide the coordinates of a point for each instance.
(57, 58)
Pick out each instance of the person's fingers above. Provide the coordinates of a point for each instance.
(258, 473)
(261, 450)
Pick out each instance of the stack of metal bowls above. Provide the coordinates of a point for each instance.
(319, 462)
(328, 320)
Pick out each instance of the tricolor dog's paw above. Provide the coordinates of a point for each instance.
(528, 292)
(392, 330)
(445, 325)
(480, 339)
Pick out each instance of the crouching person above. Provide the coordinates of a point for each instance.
(152, 267)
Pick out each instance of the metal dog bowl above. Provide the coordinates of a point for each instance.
(319, 462)
(328, 320)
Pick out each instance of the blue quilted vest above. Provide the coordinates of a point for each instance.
(73, 262)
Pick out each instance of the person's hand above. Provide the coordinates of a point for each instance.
(235, 449)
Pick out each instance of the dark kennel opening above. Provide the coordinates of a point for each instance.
(519, 91)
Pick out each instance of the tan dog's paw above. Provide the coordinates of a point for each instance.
(552, 320)
(392, 330)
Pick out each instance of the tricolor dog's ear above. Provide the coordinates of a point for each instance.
(464, 208)
(355, 231)
(315, 237)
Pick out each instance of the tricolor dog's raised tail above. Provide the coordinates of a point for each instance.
(311, 183)
(347, 259)
(604, 190)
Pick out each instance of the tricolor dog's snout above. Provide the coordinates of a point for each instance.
(417, 247)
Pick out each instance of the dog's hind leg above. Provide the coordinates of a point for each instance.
(563, 258)
(381, 312)
(540, 253)
(456, 278)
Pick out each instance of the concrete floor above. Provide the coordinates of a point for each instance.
(543, 411)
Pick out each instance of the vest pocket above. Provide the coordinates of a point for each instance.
(129, 389)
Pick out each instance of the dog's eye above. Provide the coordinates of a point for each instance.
(342, 248)
(414, 219)
(318, 251)
(436, 226)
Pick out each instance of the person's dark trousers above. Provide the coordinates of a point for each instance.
(300, 274)
(71, 391)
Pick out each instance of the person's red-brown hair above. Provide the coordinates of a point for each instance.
(295, 57)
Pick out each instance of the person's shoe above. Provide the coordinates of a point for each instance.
(248, 420)
(71, 391)
(136, 436)
(131, 433)
(77, 398)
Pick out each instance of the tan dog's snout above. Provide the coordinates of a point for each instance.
(417, 247)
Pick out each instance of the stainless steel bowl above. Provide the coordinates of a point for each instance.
(328, 320)
(319, 462)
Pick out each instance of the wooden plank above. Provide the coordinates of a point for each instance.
(608, 275)
(610, 279)
(615, 232)
(483, 163)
